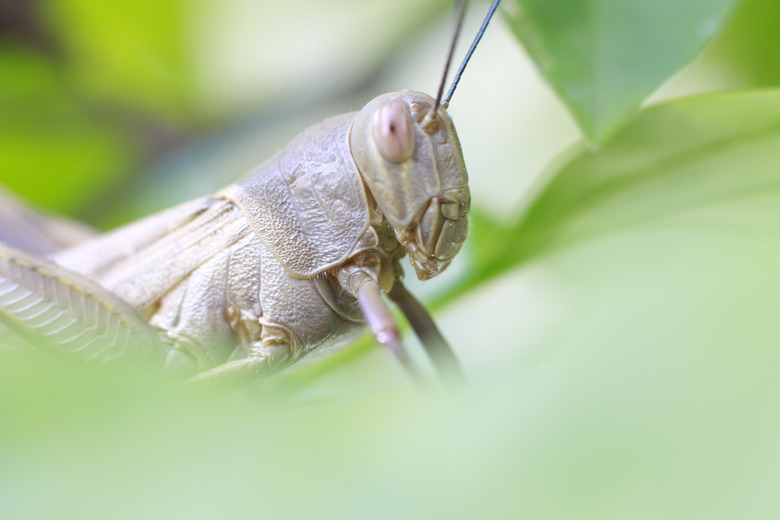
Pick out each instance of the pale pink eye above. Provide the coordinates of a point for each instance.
(393, 131)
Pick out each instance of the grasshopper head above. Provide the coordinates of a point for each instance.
(411, 161)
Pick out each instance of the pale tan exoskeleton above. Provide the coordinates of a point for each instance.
(279, 265)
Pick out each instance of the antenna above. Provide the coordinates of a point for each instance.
(445, 103)
(461, 10)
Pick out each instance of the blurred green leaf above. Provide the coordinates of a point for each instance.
(128, 52)
(709, 151)
(52, 152)
(603, 58)
(749, 42)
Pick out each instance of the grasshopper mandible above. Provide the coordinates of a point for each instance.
(274, 267)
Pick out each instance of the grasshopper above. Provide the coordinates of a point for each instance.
(284, 263)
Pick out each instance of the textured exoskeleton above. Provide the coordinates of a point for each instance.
(293, 257)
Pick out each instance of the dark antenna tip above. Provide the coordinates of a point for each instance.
(446, 101)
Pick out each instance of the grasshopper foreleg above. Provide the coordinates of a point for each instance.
(380, 321)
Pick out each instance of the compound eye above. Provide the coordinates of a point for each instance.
(393, 131)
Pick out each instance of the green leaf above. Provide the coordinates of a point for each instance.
(706, 151)
(749, 42)
(604, 57)
(703, 152)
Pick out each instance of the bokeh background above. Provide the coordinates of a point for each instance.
(615, 308)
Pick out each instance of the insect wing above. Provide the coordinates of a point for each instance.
(144, 260)
(34, 232)
(52, 307)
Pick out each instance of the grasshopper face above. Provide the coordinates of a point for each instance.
(410, 159)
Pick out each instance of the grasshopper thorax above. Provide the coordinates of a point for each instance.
(411, 161)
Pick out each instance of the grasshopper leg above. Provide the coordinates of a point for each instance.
(233, 373)
(261, 360)
(382, 325)
(437, 348)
